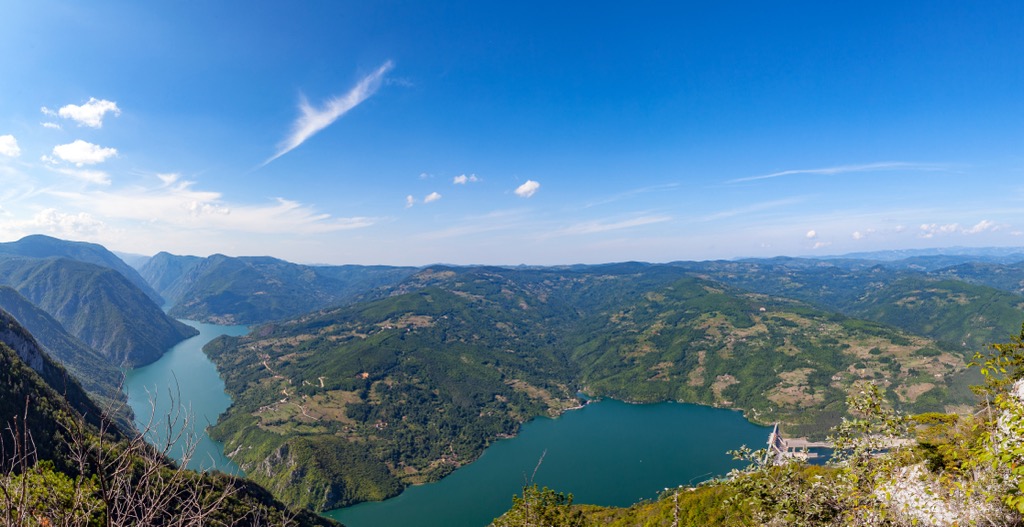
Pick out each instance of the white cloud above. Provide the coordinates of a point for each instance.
(857, 235)
(409, 201)
(168, 179)
(179, 205)
(432, 197)
(811, 234)
(424, 175)
(48, 112)
(845, 169)
(54, 126)
(930, 230)
(313, 120)
(9, 146)
(64, 224)
(82, 153)
(89, 114)
(527, 189)
(97, 177)
(982, 226)
(463, 179)
(819, 245)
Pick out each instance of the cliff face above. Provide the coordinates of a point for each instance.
(50, 381)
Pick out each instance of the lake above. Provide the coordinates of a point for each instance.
(184, 375)
(607, 453)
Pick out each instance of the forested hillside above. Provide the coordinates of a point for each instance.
(98, 376)
(64, 464)
(406, 388)
(247, 290)
(97, 305)
(40, 246)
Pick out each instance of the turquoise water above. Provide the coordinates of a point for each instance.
(185, 377)
(608, 453)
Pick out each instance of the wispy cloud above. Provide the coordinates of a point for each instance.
(313, 119)
(846, 169)
(527, 189)
(593, 227)
(409, 201)
(749, 209)
(501, 220)
(176, 203)
(97, 177)
(631, 193)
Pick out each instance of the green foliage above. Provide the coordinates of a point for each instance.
(421, 381)
(541, 506)
(97, 305)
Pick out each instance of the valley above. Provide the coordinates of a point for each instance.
(407, 375)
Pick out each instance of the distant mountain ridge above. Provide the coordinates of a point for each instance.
(96, 304)
(407, 387)
(254, 289)
(41, 246)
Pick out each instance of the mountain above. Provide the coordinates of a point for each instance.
(166, 273)
(1008, 278)
(353, 403)
(97, 305)
(135, 261)
(51, 420)
(38, 393)
(40, 246)
(248, 290)
(976, 254)
(98, 376)
(955, 312)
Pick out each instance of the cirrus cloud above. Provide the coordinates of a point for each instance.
(313, 119)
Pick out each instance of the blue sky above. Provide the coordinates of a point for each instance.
(508, 133)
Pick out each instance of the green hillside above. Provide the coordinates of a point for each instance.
(958, 313)
(100, 378)
(407, 388)
(40, 246)
(248, 290)
(97, 305)
(64, 465)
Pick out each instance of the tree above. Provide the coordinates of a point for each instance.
(541, 507)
